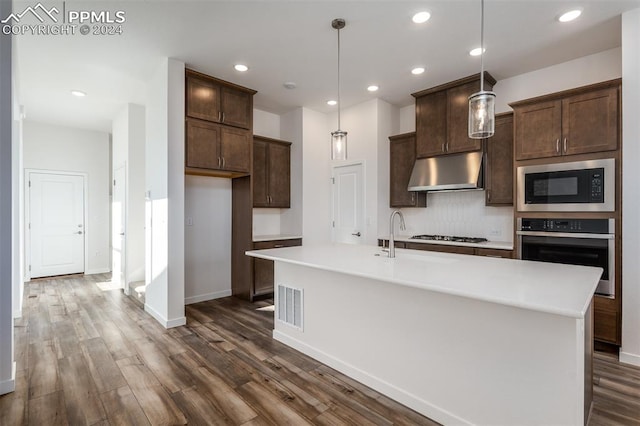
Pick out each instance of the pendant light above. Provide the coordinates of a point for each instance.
(482, 104)
(339, 137)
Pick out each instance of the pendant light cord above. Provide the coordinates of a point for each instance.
(481, 46)
(339, 103)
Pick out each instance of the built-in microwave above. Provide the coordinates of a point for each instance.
(576, 186)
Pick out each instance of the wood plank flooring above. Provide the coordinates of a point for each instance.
(87, 354)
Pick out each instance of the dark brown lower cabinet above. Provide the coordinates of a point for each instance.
(508, 254)
(607, 321)
(263, 277)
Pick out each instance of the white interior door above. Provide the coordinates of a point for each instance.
(348, 204)
(118, 227)
(56, 224)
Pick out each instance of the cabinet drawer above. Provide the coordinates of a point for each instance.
(261, 245)
(606, 325)
(441, 248)
(494, 253)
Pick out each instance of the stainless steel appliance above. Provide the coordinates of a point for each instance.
(588, 242)
(447, 173)
(576, 186)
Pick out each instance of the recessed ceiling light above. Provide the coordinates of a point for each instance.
(241, 67)
(372, 88)
(332, 102)
(417, 70)
(570, 15)
(78, 93)
(421, 17)
(477, 51)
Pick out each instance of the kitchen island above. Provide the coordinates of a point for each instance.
(461, 339)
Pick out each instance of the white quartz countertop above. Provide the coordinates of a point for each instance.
(553, 288)
(274, 237)
(498, 245)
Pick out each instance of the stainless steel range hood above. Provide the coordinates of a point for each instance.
(447, 173)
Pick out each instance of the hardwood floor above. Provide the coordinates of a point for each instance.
(87, 354)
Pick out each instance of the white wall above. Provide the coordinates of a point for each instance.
(18, 192)
(407, 119)
(291, 131)
(128, 139)
(590, 69)
(207, 238)
(316, 172)
(164, 217)
(7, 365)
(266, 124)
(49, 147)
(630, 351)
(388, 124)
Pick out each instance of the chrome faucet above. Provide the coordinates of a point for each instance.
(392, 248)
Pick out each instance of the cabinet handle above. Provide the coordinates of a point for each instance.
(413, 196)
(488, 195)
(447, 146)
(558, 145)
(220, 116)
(223, 162)
(278, 246)
(565, 145)
(223, 117)
(219, 163)
(443, 148)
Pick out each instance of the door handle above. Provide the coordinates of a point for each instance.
(122, 233)
(357, 234)
(79, 232)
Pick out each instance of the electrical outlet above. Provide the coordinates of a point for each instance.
(495, 233)
(189, 221)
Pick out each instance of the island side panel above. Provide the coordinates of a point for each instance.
(453, 359)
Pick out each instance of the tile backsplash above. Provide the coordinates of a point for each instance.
(461, 213)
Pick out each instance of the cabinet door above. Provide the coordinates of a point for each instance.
(262, 276)
(279, 173)
(236, 108)
(203, 145)
(235, 149)
(590, 122)
(402, 156)
(431, 124)
(458, 139)
(499, 167)
(259, 175)
(538, 130)
(203, 99)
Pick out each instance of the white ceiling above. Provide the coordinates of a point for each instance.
(292, 41)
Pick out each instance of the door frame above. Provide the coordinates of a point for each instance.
(27, 214)
(349, 163)
(123, 166)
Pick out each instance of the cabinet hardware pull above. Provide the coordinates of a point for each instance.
(223, 162)
(447, 146)
(558, 145)
(489, 195)
(565, 145)
(219, 163)
(443, 148)
(278, 246)
(220, 116)
(356, 234)
(413, 196)
(223, 117)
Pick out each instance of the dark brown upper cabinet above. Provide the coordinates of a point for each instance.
(442, 117)
(271, 173)
(402, 156)
(214, 100)
(499, 164)
(577, 121)
(216, 147)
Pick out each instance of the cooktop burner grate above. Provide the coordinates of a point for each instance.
(449, 238)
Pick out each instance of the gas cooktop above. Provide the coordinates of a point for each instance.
(449, 238)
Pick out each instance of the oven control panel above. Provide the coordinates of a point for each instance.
(590, 226)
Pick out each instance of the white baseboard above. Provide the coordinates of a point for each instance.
(629, 358)
(393, 392)
(97, 271)
(8, 386)
(207, 296)
(176, 322)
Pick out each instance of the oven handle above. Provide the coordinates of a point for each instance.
(566, 235)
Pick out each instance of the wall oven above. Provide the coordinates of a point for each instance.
(576, 186)
(588, 242)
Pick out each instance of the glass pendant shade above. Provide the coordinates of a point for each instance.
(339, 145)
(482, 108)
